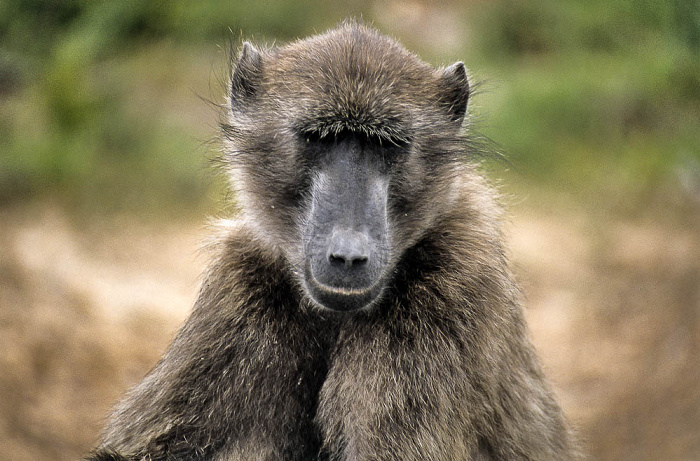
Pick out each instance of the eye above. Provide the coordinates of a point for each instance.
(391, 151)
(312, 137)
(325, 137)
(312, 147)
(393, 155)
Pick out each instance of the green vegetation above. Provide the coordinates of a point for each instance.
(99, 99)
(99, 107)
(594, 97)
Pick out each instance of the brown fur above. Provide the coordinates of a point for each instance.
(439, 368)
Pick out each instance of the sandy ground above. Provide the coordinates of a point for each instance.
(87, 308)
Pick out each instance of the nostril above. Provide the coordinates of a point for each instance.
(360, 261)
(347, 261)
(348, 249)
(336, 260)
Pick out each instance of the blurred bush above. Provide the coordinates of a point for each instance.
(87, 89)
(594, 95)
(96, 107)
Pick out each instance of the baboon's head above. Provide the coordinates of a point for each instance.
(343, 149)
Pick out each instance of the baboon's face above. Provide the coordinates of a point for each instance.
(343, 151)
(346, 231)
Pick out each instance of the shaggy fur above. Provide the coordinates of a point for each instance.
(439, 368)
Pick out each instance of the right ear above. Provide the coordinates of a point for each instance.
(246, 75)
(455, 91)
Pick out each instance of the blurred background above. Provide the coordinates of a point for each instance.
(107, 131)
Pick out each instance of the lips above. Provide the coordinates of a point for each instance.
(341, 298)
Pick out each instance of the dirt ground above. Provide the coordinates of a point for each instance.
(87, 307)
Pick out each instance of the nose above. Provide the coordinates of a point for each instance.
(348, 248)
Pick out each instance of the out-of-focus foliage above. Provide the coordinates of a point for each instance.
(87, 89)
(596, 95)
(98, 106)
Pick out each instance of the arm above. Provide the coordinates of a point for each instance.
(240, 378)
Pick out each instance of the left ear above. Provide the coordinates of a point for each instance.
(246, 76)
(454, 88)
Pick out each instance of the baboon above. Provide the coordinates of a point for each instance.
(360, 306)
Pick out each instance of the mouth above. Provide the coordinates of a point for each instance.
(341, 298)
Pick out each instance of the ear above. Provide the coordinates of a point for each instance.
(246, 75)
(455, 91)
